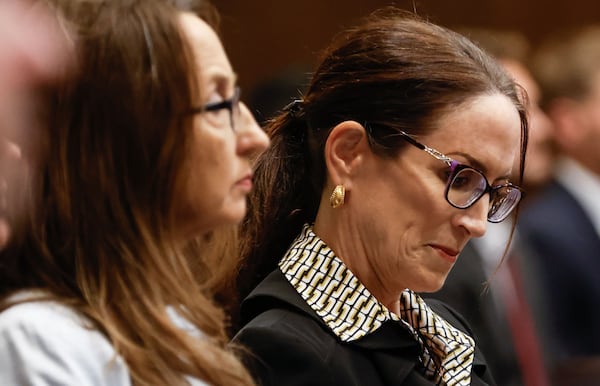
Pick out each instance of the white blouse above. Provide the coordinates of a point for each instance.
(43, 343)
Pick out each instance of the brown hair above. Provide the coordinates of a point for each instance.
(394, 72)
(100, 237)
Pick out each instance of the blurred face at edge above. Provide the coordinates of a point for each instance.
(220, 172)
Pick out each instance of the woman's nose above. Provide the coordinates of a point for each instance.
(252, 140)
(474, 218)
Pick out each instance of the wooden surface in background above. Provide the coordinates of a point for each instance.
(263, 37)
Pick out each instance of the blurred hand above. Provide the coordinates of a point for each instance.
(9, 154)
(33, 51)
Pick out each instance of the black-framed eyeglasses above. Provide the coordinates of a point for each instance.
(232, 105)
(466, 185)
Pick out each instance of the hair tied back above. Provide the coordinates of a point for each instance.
(295, 108)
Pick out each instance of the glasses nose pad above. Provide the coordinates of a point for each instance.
(494, 197)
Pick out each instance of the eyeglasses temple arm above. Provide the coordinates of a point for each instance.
(427, 149)
(438, 155)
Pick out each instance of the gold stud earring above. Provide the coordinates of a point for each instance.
(337, 197)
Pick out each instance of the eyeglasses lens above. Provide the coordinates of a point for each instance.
(503, 202)
(468, 185)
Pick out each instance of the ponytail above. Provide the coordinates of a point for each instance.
(283, 199)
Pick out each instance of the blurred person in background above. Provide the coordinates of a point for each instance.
(563, 224)
(487, 305)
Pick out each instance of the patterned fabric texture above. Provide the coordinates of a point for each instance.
(447, 353)
(352, 312)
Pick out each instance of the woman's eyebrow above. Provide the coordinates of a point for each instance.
(474, 162)
(223, 80)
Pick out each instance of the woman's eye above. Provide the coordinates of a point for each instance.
(215, 98)
(462, 181)
(445, 175)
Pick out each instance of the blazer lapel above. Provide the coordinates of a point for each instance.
(393, 352)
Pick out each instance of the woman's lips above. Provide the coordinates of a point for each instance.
(446, 253)
(245, 183)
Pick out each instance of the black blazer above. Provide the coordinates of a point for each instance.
(290, 345)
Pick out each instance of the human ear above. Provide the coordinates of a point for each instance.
(345, 150)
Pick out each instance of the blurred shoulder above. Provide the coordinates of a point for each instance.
(45, 318)
(43, 341)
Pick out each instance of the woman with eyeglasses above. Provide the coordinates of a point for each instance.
(403, 147)
(147, 152)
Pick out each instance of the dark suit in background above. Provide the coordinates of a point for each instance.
(567, 253)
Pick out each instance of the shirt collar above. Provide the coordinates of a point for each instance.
(331, 289)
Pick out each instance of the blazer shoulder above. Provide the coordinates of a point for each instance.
(276, 312)
(285, 346)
